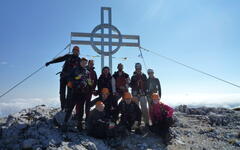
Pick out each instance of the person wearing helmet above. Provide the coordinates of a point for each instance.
(109, 102)
(78, 82)
(153, 86)
(138, 84)
(97, 124)
(121, 82)
(130, 112)
(71, 61)
(161, 117)
(93, 84)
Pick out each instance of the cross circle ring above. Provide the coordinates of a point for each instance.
(111, 27)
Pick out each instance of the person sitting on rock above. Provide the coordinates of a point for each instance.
(130, 112)
(98, 125)
(109, 102)
(78, 82)
(161, 117)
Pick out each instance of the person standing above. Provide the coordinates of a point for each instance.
(71, 62)
(138, 84)
(121, 82)
(78, 82)
(92, 85)
(153, 86)
(105, 80)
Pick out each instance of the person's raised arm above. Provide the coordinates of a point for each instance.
(57, 60)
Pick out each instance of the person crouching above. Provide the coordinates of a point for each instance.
(110, 104)
(98, 125)
(161, 117)
(130, 112)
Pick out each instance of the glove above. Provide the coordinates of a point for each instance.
(47, 64)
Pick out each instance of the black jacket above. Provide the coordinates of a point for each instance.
(93, 77)
(109, 103)
(129, 112)
(79, 78)
(97, 124)
(71, 61)
(138, 83)
(153, 86)
(105, 82)
(121, 81)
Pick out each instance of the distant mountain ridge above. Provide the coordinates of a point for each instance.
(198, 128)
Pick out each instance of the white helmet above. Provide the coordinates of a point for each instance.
(150, 71)
(138, 66)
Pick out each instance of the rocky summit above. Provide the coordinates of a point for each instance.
(200, 128)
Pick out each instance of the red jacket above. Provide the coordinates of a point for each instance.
(156, 111)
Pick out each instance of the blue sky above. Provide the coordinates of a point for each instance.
(203, 33)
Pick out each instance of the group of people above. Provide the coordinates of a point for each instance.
(115, 106)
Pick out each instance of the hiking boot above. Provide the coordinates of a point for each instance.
(79, 127)
(167, 138)
(138, 131)
(64, 127)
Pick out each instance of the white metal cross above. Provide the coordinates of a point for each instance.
(113, 40)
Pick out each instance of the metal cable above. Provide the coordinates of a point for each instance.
(29, 76)
(189, 67)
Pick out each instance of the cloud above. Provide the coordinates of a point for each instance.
(3, 63)
(15, 105)
(204, 99)
(194, 99)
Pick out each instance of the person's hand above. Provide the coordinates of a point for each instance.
(111, 125)
(47, 64)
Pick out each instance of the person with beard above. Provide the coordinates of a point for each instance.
(138, 84)
(121, 82)
(78, 82)
(71, 62)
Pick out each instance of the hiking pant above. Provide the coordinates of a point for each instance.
(142, 101)
(127, 122)
(80, 106)
(162, 127)
(150, 101)
(75, 99)
(62, 91)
